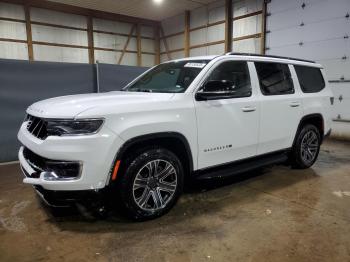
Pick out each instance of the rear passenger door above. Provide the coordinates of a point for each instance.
(281, 107)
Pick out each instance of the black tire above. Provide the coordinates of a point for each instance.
(304, 155)
(137, 167)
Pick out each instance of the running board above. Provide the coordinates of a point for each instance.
(241, 166)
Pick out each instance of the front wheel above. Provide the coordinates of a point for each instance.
(306, 147)
(151, 184)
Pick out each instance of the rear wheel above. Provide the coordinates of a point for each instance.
(151, 184)
(306, 147)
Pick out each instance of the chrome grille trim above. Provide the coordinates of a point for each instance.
(36, 126)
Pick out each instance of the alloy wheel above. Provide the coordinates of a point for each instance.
(309, 146)
(155, 185)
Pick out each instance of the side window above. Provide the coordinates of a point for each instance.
(274, 78)
(310, 79)
(236, 72)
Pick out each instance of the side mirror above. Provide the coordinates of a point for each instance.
(216, 89)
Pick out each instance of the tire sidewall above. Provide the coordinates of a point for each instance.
(127, 181)
(299, 162)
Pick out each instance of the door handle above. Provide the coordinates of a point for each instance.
(248, 109)
(294, 104)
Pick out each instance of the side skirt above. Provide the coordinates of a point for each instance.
(241, 166)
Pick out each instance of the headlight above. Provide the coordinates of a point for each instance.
(73, 127)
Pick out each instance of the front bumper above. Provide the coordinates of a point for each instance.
(95, 153)
(67, 198)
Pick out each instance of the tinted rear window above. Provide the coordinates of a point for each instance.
(274, 78)
(310, 79)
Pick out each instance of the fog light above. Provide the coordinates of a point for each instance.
(51, 176)
(61, 170)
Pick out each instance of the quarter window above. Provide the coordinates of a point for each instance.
(236, 72)
(310, 79)
(274, 78)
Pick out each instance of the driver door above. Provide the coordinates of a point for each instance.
(228, 127)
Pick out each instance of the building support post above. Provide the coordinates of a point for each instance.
(139, 50)
(157, 45)
(187, 33)
(29, 32)
(263, 27)
(228, 26)
(90, 33)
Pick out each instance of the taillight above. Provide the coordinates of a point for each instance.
(332, 100)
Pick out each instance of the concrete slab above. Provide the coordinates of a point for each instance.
(272, 214)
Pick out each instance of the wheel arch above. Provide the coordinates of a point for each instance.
(173, 141)
(315, 119)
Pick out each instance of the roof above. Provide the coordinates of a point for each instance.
(271, 56)
(207, 57)
(257, 57)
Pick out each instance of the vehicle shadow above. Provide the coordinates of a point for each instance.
(200, 198)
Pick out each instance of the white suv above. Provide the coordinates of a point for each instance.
(198, 117)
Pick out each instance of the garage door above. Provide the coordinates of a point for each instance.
(317, 30)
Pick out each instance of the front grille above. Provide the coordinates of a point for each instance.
(36, 126)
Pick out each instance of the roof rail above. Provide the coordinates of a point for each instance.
(272, 56)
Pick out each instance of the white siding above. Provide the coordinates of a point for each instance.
(216, 49)
(202, 16)
(13, 30)
(147, 31)
(252, 45)
(75, 37)
(243, 7)
(247, 26)
(147, 45)
(9, 50)
(216, 33)
(60, 54)
(148, 60)
(11, 11)
(198, 51)
(174, 55)
(53, 17)
(112, 26)
(174, 24)
(59, 35)
(110, 41)
(107, 57)
(198, 37)
(176, 42)
(242, 27)
(129, 59)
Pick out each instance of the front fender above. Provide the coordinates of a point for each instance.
(182, 122)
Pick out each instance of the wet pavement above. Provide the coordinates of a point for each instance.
(272, 214)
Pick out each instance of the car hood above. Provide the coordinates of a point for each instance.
(73, 105)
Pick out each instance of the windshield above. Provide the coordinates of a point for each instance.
(172, 77)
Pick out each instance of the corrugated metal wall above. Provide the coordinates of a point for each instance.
(63, 37)
(316, 30)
